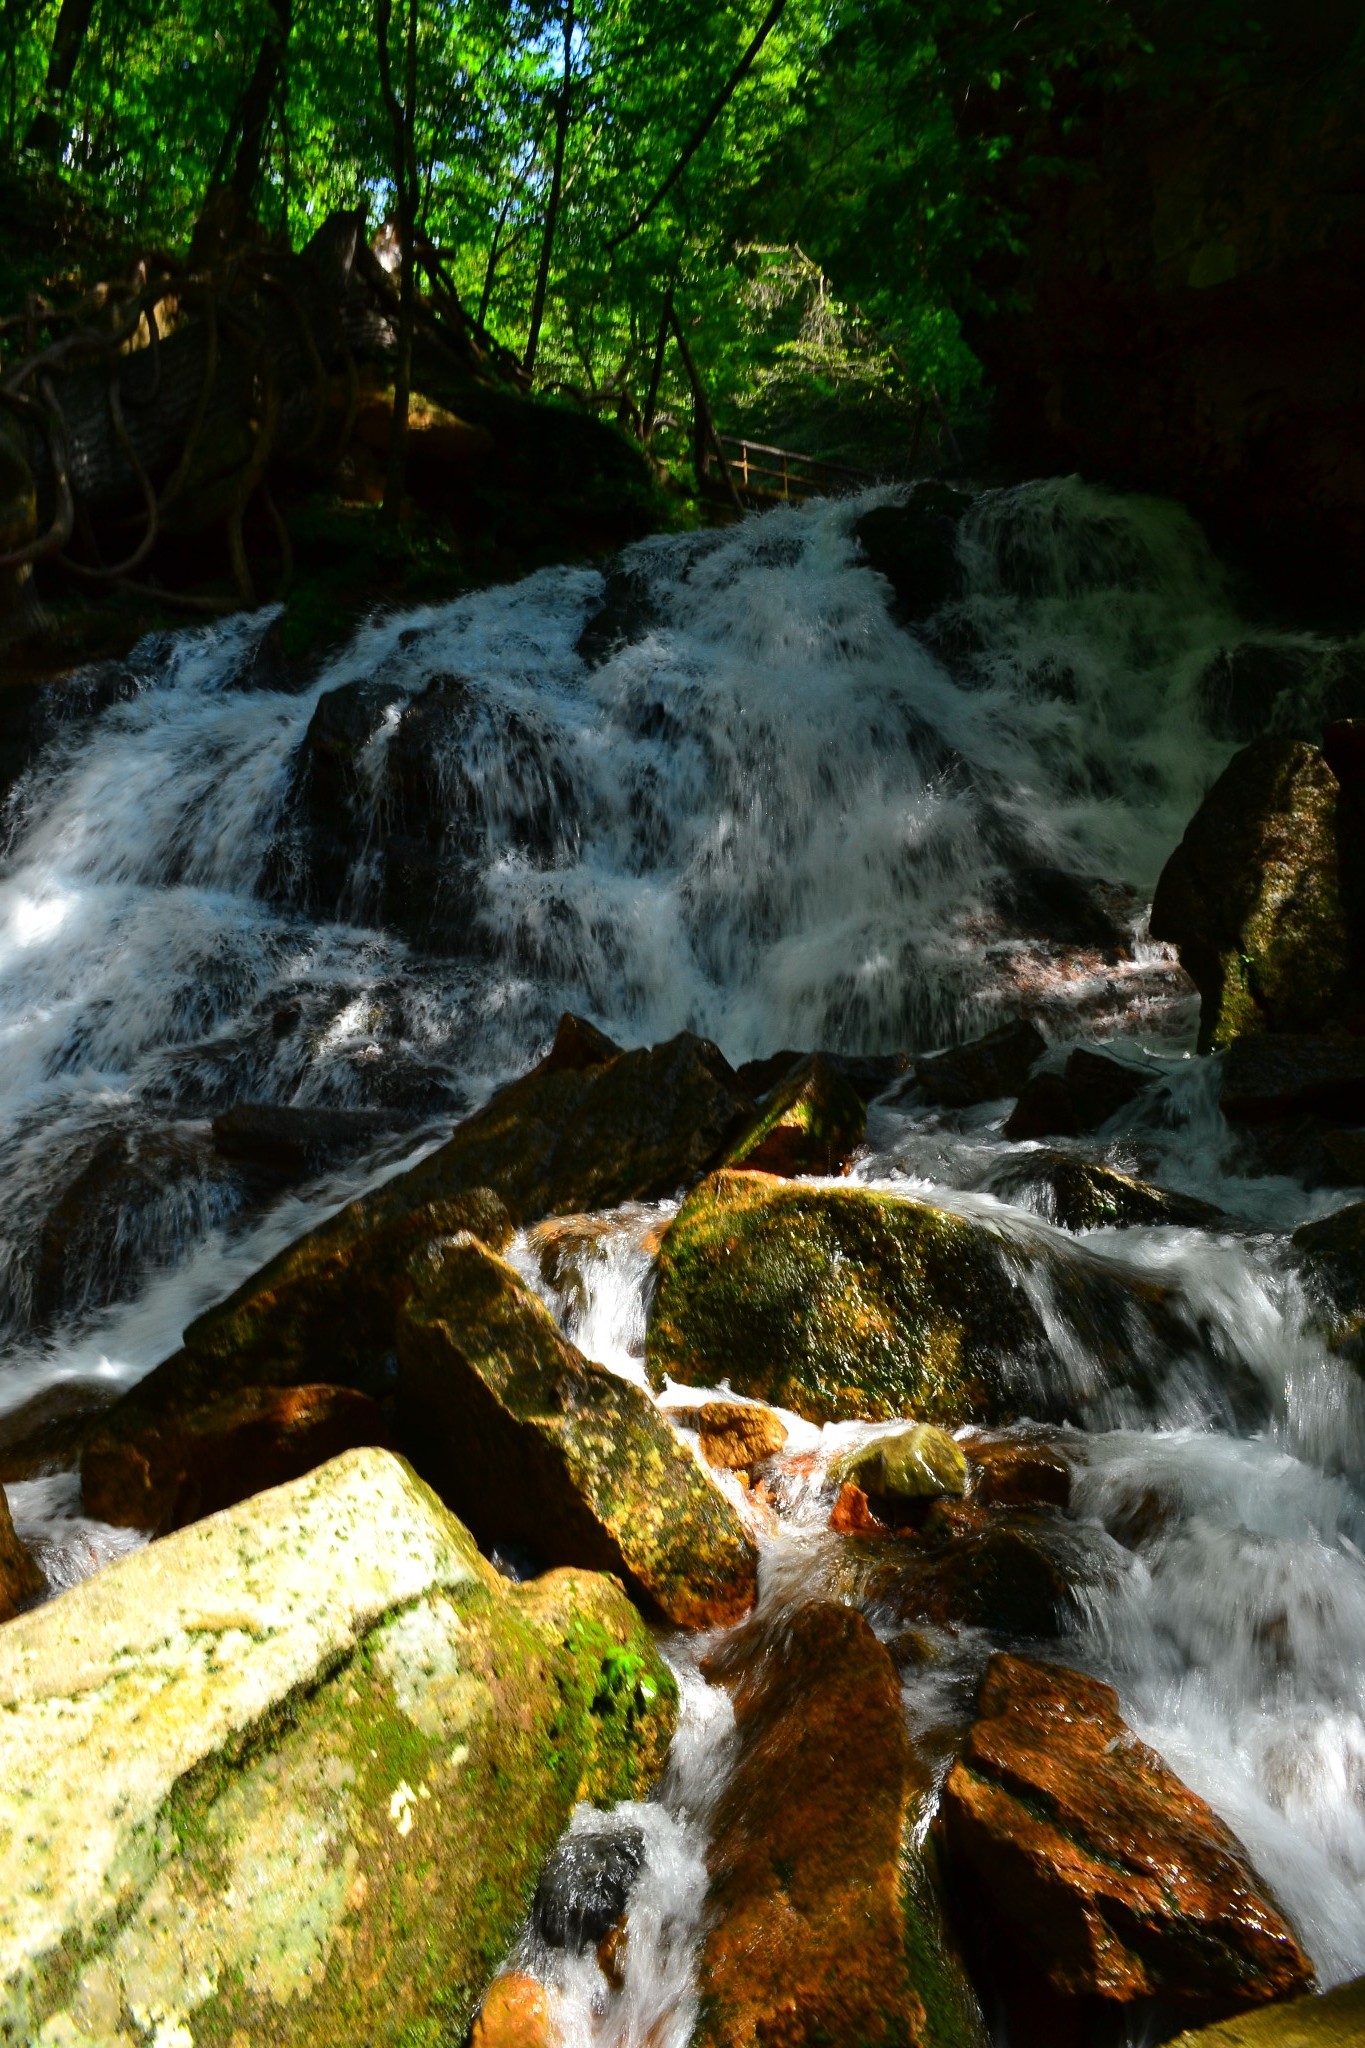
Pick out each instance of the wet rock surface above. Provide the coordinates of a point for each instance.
(812, 1122)
(1079, 1194)
(365, 1747)
(193, 1461)
(1253, 897)
(292, 1143)
(20, 1578)
(1331, 1260)
(535, 1445)
(1093, 1858)
(1333, 2019)
(1271, 1076)
(995, 1065)
(585, 1886)
(820, 1932)
(849, 1304)
(1092, 1088)
(914, 546)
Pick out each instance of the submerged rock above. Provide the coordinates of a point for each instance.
(983, 1070)
(1332, 2019)
(20, 1578)
(291, 1774)
(1078, 1194)
(825, 1926)
(1252, 896)
(812, 1122)
(586, 1884)
(191, 1462)
(844, 1303)
(1089, 1854)
(536, 1446)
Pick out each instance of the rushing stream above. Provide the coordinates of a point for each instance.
(770, 815)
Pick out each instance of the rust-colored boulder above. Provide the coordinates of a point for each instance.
(819, 1931)
(736, 1435)
(539, 1448)
(515, 2014)
(193, 1462)
(1086, 1850)
(812, 1122)
(20, 1578)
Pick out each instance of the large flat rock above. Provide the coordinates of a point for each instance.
(290, 1774)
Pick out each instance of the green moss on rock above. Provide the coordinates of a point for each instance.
(1252, 896)
(534, 1444)
(813, 1122)
(290, 1775)
(844, 1303)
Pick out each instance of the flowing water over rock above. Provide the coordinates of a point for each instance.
(723, 790)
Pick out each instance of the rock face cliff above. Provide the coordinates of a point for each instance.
(1184, 311)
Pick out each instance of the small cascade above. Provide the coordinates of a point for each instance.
(720, 788)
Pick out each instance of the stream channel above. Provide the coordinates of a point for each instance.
(750, 804)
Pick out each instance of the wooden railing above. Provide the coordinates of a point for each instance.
(761, 472)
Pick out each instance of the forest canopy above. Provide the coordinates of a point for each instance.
(809, 191)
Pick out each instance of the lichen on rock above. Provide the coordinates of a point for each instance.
(290, 1773)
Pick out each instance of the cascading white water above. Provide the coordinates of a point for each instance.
(775, 817)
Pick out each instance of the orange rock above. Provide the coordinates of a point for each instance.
(515, 2014)
(810, 1919)
(1079, 1843)
(736, 1435)
(853, 1516)
(1016, 1474)
(193, 1463)
(20, 1578)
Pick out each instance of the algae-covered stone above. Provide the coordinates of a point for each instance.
(289, 1775)
(534, 1445)
(813, 1122)
(1332, 2019)
(1079, 1194)
(1252, 896)
(825, 1924)
(736, 1435)
(845, 1303)
(922, 1463)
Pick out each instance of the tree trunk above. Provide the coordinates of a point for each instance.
(403, 117)
(252, 117)
(656, 369)
(705, 439)
(45, 129)
(547, 240)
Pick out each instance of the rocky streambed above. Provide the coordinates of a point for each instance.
(846, 1545)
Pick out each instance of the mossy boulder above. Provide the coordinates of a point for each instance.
(812, 1122)
(1074, 1842)
(537, 1447)
(1332, 2019)
(844, 1303)
(1080, 1194)
(918, 1464)
(825, 1921)
(291, 1774)
(1253, 899)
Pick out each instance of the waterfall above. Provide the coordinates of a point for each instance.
(718, 789)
